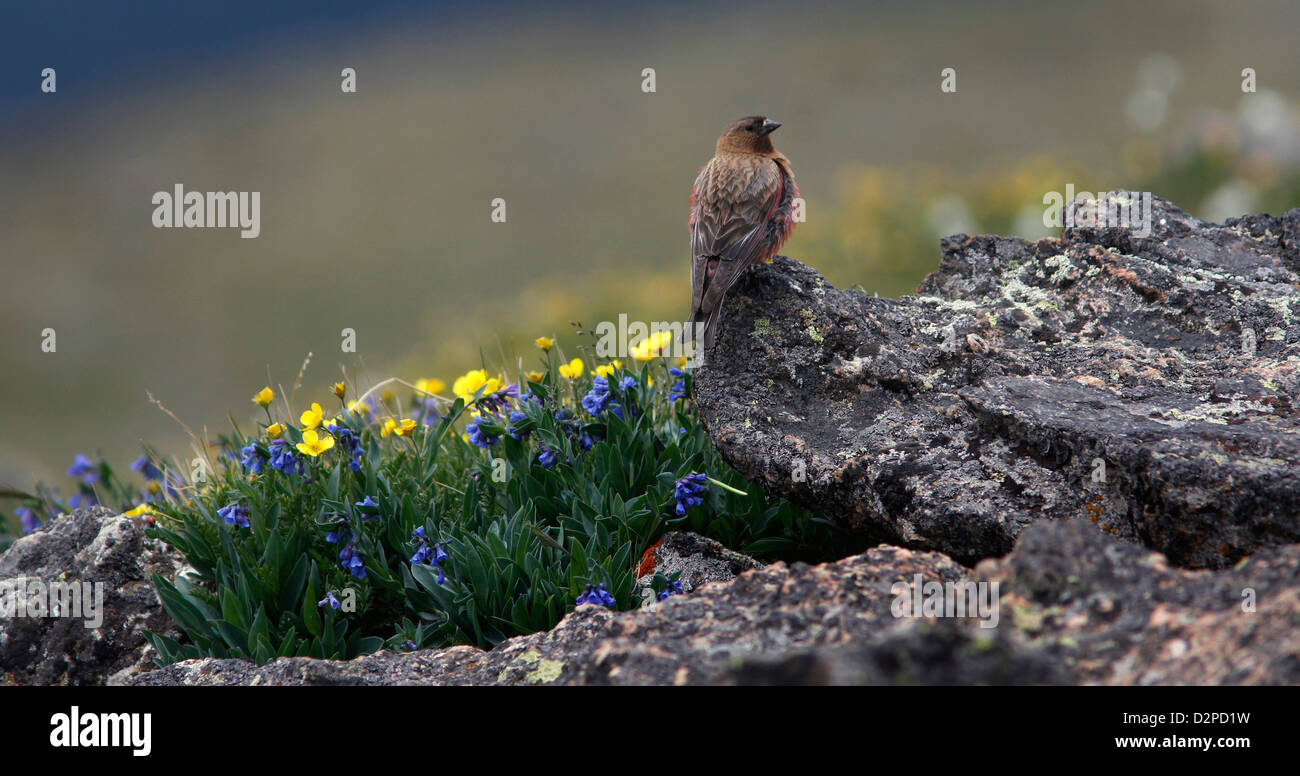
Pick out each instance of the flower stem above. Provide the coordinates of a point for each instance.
(727, 487)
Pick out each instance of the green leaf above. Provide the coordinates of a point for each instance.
(310, 611)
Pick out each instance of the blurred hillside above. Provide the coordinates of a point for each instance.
(375, 205)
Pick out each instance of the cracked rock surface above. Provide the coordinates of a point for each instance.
(1149, 385)
(1075, 606)
(85, 547)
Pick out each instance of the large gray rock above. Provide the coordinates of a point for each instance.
(1148, 385)
(1075, 606)
(87, 547)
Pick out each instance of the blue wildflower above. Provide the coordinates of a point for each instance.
(674, 588)
(678, 391)
(595, 400)
(687, 492)
(479, 436)
(83, 468)
(596, 595)
(546, 458)
(330, 599)
(28, 519)
(145, 468)
(283, 459)
(493, 402)
(253, 459)
(235, 513)
(627, 383)
(348, 442)
(369, 509)
(429, 554)
(517, 419)
(351, 559)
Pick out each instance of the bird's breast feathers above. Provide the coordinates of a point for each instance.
(740, 207)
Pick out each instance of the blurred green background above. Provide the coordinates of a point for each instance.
(375, 205)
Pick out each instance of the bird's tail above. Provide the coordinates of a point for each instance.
(703, 321)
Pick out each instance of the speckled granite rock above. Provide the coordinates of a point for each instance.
(687, 639)
(95, 546)
(1148, 385)
(695, 559)
(1118, 614)
(1076, 605)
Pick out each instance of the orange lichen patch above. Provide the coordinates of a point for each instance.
(647, 564)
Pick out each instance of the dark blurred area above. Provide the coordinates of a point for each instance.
(375, 205)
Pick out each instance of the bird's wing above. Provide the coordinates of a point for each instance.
(731, 205)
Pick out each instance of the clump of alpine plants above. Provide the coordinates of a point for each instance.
(411, 517)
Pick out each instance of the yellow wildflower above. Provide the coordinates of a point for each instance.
(312, 417)
(605, 370)
(400, 428)
(430, 385)
(313, 444)
(338, 389)
(468, 384)
(545, 343)
(535, 377)
(274, 430)
(359, 406)
(652, 346)
(143, 509)
(387, 396)
(572, 370)
(264, 397)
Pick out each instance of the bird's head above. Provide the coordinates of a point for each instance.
(749, 136)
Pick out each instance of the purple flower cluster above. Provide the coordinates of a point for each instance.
(349, 443)
(518, 429)
(84, 469)
(480, 434)
(674, 588)
(283, 459)
(429, 554)
(145, 468)
(496, 401)
(678, 391)
(28, 519)
(598, 595)
(601, 398)
(688, 491)
(254, 459)
(350, 556)
(236, 514)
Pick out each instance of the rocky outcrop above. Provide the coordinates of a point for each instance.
(1074, 605)
(54, 626)
(1148, 385)
(1090, 442)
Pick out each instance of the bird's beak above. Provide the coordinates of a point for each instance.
(769, 126)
